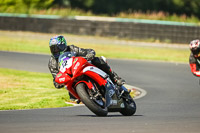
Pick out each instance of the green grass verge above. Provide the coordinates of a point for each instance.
(142, 53)
(38, 43)
(29, 90)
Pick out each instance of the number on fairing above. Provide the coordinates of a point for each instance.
(65, 65)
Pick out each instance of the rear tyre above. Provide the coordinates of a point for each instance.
(81, 89)
(130, 107)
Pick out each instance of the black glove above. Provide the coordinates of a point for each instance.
(57, 85)
(90, 56)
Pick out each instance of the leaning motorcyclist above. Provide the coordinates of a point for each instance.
(58, 45)
(194, 59)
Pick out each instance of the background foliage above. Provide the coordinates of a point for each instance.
(24, 5)
(109, 7)
(188, 7)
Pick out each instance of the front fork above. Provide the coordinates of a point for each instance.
(110, 91)
(114, 94)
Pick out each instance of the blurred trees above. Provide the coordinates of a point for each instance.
(110, 7)
(62, 3)
(24, 5)
(187, 7)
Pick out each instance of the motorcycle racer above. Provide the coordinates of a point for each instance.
(58, 46)
(194, 58)
(93, 87)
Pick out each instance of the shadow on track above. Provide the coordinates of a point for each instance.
(108, 116)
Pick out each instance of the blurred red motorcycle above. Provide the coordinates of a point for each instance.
(93, 86)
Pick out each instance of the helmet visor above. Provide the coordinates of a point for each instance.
(196, 53)
(62, 47)
(55, 51)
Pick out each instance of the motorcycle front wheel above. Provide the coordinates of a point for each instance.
(86, 98)
(130, 107)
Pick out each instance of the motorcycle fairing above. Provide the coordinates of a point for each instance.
(65, 66)
(89, 84)
(95, 70)
(62, 78)
(97, 74)
(77, 65)
(100, 77)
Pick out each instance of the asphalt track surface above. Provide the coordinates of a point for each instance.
(172, 103)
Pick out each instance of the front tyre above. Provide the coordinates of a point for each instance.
(130, 107)
(82, 91)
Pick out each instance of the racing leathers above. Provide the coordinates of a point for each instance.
(194, 65)
(90, 55)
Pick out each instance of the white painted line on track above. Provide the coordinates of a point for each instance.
(141, 92)
(74, 104)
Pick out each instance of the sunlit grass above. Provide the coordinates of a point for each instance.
(23, 44)
(143, 53)
(38, 43)
(29, 90)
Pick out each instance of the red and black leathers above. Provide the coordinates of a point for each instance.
(98, 62)
(195, 65)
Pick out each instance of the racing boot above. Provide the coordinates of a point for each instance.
(119, 81)
(102, 64)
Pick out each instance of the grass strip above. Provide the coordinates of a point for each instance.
(38, 43)
(29, 90)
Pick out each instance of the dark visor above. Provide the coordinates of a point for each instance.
(62, 47)
(195, 52)
(55, 51)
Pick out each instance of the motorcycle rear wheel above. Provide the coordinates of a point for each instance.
(130, 107)
(81, 89)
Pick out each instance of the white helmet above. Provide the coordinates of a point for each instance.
(195, 48)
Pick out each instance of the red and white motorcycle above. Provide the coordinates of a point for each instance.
(93, 86)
